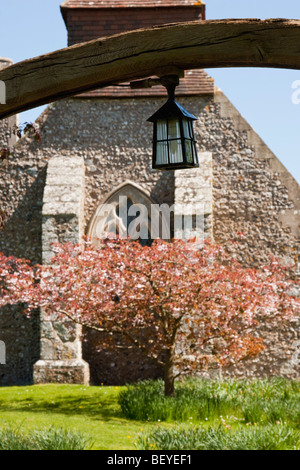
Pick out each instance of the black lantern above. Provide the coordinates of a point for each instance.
(174, 144)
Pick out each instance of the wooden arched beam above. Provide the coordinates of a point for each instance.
(142, 53)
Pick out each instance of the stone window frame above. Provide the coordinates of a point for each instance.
(137, 195)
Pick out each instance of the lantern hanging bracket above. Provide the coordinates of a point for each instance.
(170, 82)
(169, 78)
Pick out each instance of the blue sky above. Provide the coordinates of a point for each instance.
(263, 96)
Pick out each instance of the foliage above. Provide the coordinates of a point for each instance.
(194, 400)
(43, 439)
(260, 401)
(277, 437)
(186, 308)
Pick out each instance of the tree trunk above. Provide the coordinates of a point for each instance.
(169, 374)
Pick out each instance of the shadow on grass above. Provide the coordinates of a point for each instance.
(104, 409)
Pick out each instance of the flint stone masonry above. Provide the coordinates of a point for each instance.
(263, 162)
(19, 333)
(7, 136)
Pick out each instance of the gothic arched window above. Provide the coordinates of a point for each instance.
(128, 212)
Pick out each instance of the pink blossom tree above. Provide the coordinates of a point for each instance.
(186, 308)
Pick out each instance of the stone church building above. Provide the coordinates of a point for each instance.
(97, 147)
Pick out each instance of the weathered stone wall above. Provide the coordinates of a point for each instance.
(63, 203)
(193, 200)
(249, 186)
(7, 136)
(63, 207)
(253, 192)
(19, 199)
(21, 188)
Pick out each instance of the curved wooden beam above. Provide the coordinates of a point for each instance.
(141, 53)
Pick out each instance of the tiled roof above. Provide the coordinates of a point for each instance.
(195, 82)
(128, 3)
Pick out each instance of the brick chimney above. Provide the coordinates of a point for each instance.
(86, 20)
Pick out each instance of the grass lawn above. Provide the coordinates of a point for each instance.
(235, 414)
(94, 411)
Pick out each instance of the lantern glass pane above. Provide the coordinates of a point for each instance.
(162, 153)
(162, 130)
(189, 151)
(186, 129)
(175, 151)
(192, 130)
(195, 153)
(174, 129)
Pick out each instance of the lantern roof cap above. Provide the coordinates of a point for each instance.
(171, 109)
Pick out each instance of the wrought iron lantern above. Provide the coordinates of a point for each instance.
(174, 144)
